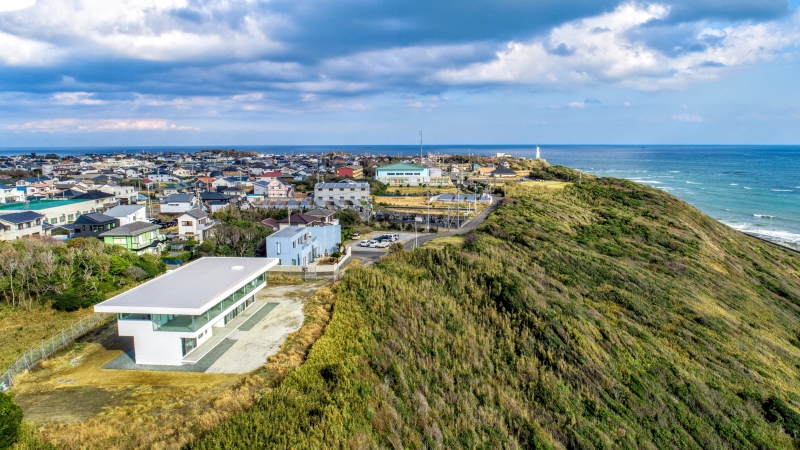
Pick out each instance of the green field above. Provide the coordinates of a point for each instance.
(601, 315)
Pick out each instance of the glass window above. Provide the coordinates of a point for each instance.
(120, 241)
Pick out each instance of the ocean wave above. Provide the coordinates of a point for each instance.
(781, 190)
(772, 235)
(674, 171)
(763, 216)
(734, 184)
(692, 182)
(747, 188)
(646, 181)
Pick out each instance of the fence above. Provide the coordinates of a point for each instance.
(47, 347)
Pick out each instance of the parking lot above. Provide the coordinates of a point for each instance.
(404, 237)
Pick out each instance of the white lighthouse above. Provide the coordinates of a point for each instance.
(538, 155)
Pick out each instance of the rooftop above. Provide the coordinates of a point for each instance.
(401, 166)
(191, 289)
(131, 229)
(123, 210)
(37, 205)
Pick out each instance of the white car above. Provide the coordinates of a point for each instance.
(355, 235)
(372, 244)
(383, 244)
(364, 244)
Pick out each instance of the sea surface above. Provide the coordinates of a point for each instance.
(754, 189)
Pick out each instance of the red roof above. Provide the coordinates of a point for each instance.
(271, 175)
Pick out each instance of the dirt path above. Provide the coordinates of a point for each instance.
(254, 347)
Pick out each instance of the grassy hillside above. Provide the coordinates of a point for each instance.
(603, 315)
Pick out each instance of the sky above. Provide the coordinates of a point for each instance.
(209, 72)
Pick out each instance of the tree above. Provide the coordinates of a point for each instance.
(10, 421)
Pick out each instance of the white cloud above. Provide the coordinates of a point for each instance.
(687, 118)
(76, 98)
(15, 5)
(416, 105)
(601, 50)
(17, 51)
(577, 105)
(108, 125)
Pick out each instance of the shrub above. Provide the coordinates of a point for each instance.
(336, 254)
(135, 273)
(396, 247)
(10, 421)
(75, 300)
(152, 265)
(775, 410)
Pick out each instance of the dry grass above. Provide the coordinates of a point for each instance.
(546, 184)
(422, 190)
(161, 410)
(403, 201)
(440, 243)
(24, 328)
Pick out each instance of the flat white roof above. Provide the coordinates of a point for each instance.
(189, 290)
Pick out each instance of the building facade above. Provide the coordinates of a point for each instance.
(402, 174)
(273, 188)
(171, 316)
(302, 245)
(345, 194)
(21, 224)
(195, 224)
(138, 237)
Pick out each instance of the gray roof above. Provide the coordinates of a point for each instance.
(180, 198)
(93, 218)
(21, 217)
(191, 289)
(352, 184)
(123, 210)
(288, 232)
(321, 212)
(197, 213)
(131, 229)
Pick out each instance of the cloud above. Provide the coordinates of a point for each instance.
(104, 125)
(577, 105)
(15, 5)
(687, 118)
(614, 57)
(76, 98)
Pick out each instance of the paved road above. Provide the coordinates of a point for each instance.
(372, 257)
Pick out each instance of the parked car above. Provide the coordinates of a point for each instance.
(364, 243)
(396, 236)
(383, 244)
(373, 244)
(355, 235)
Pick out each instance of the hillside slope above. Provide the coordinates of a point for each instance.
(604, 315)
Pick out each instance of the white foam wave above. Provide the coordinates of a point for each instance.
(772, 235)
(747, 188)
(646, 181)
(734, 184)
(692, 182)
(674, 171)
(763, 216)
(781, 190)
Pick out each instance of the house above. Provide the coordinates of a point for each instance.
(350, 171)
(138, 237)
(161, 177)
(177, 188)
(299, 220)
(92, 224)
(195, 224)
(20, 224)
(503, 172)
(172, 316)
(10, 194)
(270, 223)
(128, 213)
(345, 194)
(302, 245)
(101, 199)
(267, 176)
(204, 184)
(274, 188)
(402, 174)
(325, 216)
(178, 203)
(126, 195)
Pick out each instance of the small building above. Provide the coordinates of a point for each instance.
(302, 245)
(128, 213)
(101, 199)
(350, 171)
(93, 224)
(138, 237)
(273, 188)
(195, 224)
(402, 174)
(20, 224)
(325, 216)
(503, 172)
(170, 316)
(178, 203)
(56, 212)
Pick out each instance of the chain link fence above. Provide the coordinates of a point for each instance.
(49, 346)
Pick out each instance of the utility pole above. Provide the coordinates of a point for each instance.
(420, 147)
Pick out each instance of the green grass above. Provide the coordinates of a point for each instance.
(604, 315)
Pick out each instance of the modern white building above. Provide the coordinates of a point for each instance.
(172, 315)
(403, 174)
(178, 203)
(195, 224)
(128, 213)
(345, 194)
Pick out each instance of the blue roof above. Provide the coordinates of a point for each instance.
(21, 217)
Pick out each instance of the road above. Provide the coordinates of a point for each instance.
(372, 257)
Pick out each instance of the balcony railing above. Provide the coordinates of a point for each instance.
(185, 323)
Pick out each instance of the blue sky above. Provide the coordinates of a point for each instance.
(197, 72)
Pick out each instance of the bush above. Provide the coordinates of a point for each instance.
(396, 247)
(152, 265)
(10, 421)
(135, 273)
(73, 301)
(336, 254)
(776, 410)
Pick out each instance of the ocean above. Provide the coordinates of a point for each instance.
(754, 189)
